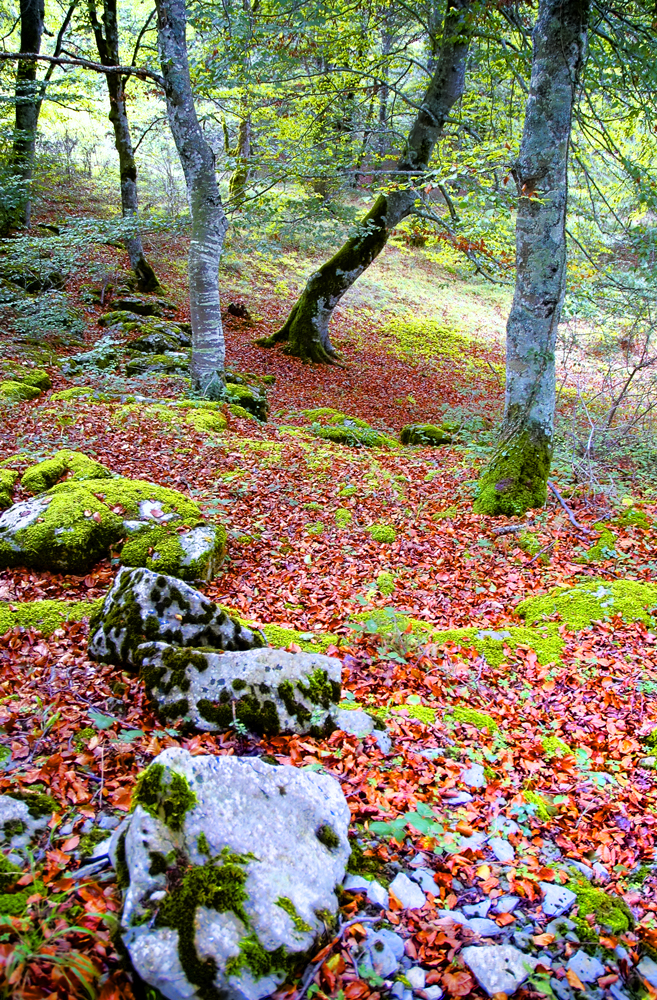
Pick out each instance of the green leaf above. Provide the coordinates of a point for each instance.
(101, 721)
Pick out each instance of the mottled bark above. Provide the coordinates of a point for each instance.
(242, 152)
(208, 217)
(27, 103)
(107, 43)
(516, 478)
(307, 327)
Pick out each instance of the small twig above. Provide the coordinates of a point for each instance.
(571, 516)
(314, 966)
(546, 548)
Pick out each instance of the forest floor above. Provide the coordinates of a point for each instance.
(419, 345)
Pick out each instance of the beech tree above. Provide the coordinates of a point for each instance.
(106, 33)
(516, 478)
(209, 222)
(306, 329)
(27, 103)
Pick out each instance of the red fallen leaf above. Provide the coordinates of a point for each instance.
(356, 990)
(457, 984)
(70, 843)
(607, 980)
(88, 513)
(504, 919)
(97, 517)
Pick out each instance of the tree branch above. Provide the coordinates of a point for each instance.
(140, 72)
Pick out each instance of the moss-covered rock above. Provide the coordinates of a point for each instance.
(604, 548)
(36, 377)
(593, 600)
(17, 392)
(611, 913)
(72, 465)
(76, 392)
(249, 397)
(425, 434)
(353, 436)
(206, 421)
(145, 305)
(385, 583)
(8, 479)
(147, 363)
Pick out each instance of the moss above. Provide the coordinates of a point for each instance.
(343, 517)
(595, 600)
(73, 464)
(76, 392)
(472, 717)
(546, 643)
(7, 480)
(288, 906)
(240, 412)
(254, 957)
(634, 518)
(354, 436)
(320, 690)
(326, 413)
(554, 747)
(88, 841)
(544, 810)
(202, 845)
(385, 583)
(249, 398)
(603, 549)
(420, 712)
(36, 377)
(610, 912)
(166, 795)
(444, 515)
(146, 363)
(529, 543)
(82, 737)
(360, 863)
(651, 739)
(17, 392)
(121, 864)
(327, 836)
(425, 434)
(257, 713)
(294, 708)
(38, 803)
(515, 481)
(388, 621)
(280, 638)
(383, 533)
(315, 528)
(206, 420)
(9, 873)
(347, 491)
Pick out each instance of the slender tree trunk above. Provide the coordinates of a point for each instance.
(307, 327)
(107, 44)
(242, 152)
(27, 104)
(208, 217)
(516, 478)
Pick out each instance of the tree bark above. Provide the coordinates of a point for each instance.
(107, 43)
(306, 329)
(242, 152)
(208, 217)
(27, 104)
(516, 478)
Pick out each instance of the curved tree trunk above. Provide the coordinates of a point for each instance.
(307, 327)
(516, 478)
(208, 217)
(27, 104)
(108, 52)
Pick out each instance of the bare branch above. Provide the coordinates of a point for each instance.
(138, 71)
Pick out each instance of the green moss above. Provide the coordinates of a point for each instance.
(529, 543)
(206, 420)
(387, 621)
(38, 803)
(254, 957)
(250, 398)
(9, 873)
(36, 377)
(610, 912)
(420, 712)
(651, 739)
(164, 794)
(603, 549)
(76, 392)
(82, 737)
(343, 517)
(280, 638)
(444, 515)
(7, 481)
(254, 711)
(385, 583)
(595, 600)
(73, 464)
(383, 533)
(425, 434)
(88, 841)
(121, 864)
(515, 481)
(354, 436)
(554, 747)
(240, 412)
(634, 517)
(322, 413)
(156, 363)
(546, 643)
(544, 810)
(320, 690)
(347, 491)
(472, 717)
(294, 708)
(327, 836)
(288, 906)
(202, 845)
(316, 528)
(17, 392)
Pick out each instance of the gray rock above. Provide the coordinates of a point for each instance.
(142, 604)
(408, 893)
(433, 992)
(353, 721)
(355, 883)
(498, 968)
(108, 822)
(557, 899)
(417, 977)
(485, 927)
(477, 909)
(600, 872)
(617, 992)
(501, 826)
(384, 741)
(276, 835)
(473, 843)
(474, 776)
(502, 849)
(266, 690)
(381, 951)
(506, 904)
(460, 799)
(424, 878)
(586, 967)
(647, 969)
(378, 895)
(585, 870)
(455, 916)
(18, 826)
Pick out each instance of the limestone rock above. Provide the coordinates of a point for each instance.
(266, 690)
(647, 969)
(231, 867)
(408, 893)
(144, 605)
(474, 776)
(587, 968)
(498, 968)
(381, 951)
(146, 305)
(144, 364)
(18, 825)
(557, 899)
(502, 849)
(354, 721)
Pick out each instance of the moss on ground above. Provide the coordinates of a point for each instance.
(546, 643)
(36, 377)
(76, 392)
(310, 642)
(7, 482)
(45, 616)
(75, 465)
(554, 747)
(354, 436)
(601, 550)
(385, 583)
(544, 810)
(611, 912)
(594, 600)
(471, 717)
(17, 392)
(384, 533)
(343, 517)
(427, 435)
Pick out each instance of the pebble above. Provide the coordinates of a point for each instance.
(378, 895)
(485, 927)
(433, 992)
(647, 969)
(384, 740)
(648, 762)
(601, 872)
(586, 870)
(355, 883)
(401, 992)
(477, 909)
(556, 899)
(383, 951)
(354, 721)
(473, 843)
(454, 915)
(426, 880)
(498, 968)
(506, 904)
(108, 822)
(502, 826)
(586, 967)
(474, 776)
(408, 893)
(460, 799)
(417, 977)
(502, 849)
(560, 926)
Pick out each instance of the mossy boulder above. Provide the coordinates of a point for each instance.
(153, 342)
(17, 392)
(143, 605)
(72, 525)
(72, 465)
(19, 824)
(146, 305)
(36, 377)
(103, 356)
(425, 434)
(265, 690)
(148, 363)
(7, 481)
(230, 867)
(353, 432)
(382, 533)
(249, 397)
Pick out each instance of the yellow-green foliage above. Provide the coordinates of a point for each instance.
(388, 622)
(316, 528)
(343, 517)
(594, 600)
(529, 543)
(603, 549)
(45, 616)
(206, 420)
(347, 491)
(610, 912)
(382, 533)
(445, 514)
(280, 638)
(17, 392)
(420, 712)
(240, 412)
(633, 517)
(7, 480)
(415, 337)
(73, 464)
(77, 392)
(547, 645)
(471, 717)
(554, 747)
(544, 810)
(385, 583)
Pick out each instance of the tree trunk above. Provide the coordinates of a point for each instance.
(27, 104)
(208, 217)
(307, 327)
(516, 478)
(242, 152)
(108, 52)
